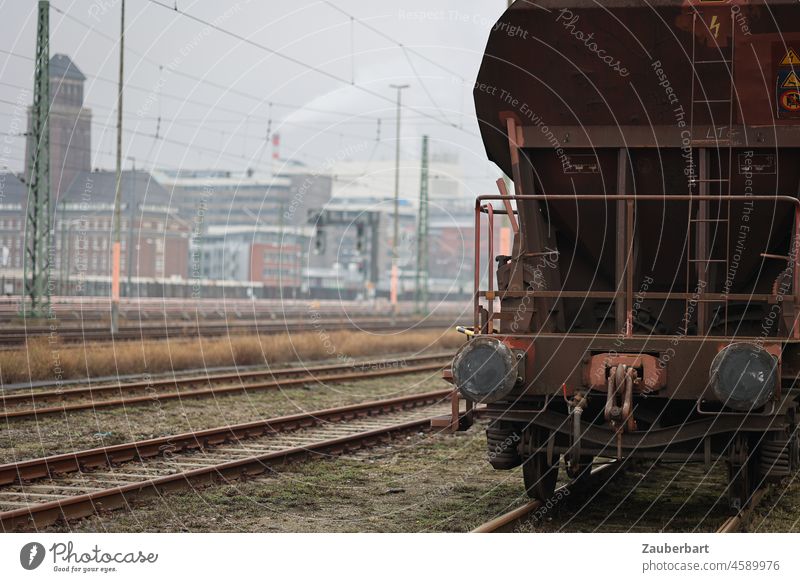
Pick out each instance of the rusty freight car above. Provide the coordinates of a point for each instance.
(649, 304)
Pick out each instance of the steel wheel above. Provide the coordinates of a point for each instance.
(742, 472)
(540, 478)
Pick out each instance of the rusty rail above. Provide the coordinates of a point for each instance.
(187, 387)
(84, 462)
(736, 523)
(508, 521)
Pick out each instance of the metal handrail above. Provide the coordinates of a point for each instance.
(481, 208)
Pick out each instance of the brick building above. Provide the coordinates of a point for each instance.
(155, 239)
(70, 126)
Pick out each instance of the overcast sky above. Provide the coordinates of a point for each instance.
(217, 114)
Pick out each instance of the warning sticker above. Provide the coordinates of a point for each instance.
(789, 101)
(791, 59)
(788, 88)
(789, 80)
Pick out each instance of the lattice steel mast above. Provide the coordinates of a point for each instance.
(36, 264)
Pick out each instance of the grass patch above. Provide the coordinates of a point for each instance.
(424, 482)
(44, 360)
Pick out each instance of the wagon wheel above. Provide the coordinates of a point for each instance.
(540, 478)
(794, 443)
(742, 472)
(584, 470)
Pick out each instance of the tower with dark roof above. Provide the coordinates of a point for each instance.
(70, 126)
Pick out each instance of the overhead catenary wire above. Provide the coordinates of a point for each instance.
(406, 51)
(204, 80)
(379, 32)
(192, 124)
(255, 162)
(296, 61)
(353, 118)
(183, 99)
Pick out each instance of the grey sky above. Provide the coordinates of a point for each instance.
(202, 126)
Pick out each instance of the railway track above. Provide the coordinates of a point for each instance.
(11, 337)
(511, 521)
(589, 512)
(738, 522)
(39, 402)
(40, 492)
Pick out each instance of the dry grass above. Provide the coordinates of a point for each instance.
(41, 360)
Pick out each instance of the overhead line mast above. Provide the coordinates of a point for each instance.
(395, 276)
(422, 235)
(36, 265)
(117, 248)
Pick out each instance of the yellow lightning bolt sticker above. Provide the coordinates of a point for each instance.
(714, 26)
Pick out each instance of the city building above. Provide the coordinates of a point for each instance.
(371, 182)
(227, 198)
(154, 242)
(273, 256)
(13, 201)
(369, 186)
